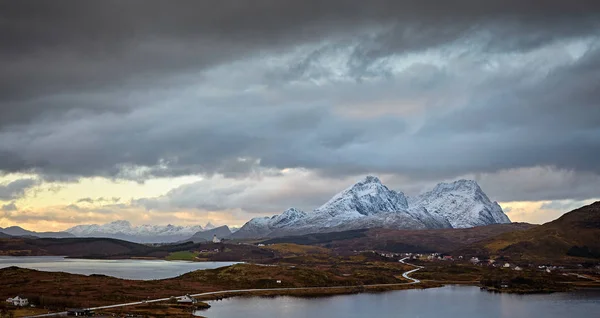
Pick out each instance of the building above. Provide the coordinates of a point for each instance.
(216, 239)
(517, 268)
(79, 312)
(506, 265)
(279, 281)
(18, 301)
(187, 299)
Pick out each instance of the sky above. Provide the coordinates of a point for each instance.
(221, 111)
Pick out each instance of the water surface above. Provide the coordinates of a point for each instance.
(126, 269)
(448, 302)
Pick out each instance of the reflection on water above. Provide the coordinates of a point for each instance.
(449, 301)
(127, 269)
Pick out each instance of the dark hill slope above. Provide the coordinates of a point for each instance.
(419, 241)
(575, 234)
(19, 231)
(204, 236)
(74, 247)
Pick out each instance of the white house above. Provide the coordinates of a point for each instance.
(18, 301)
(517, 268)
(506, 265)
(187, 299)
(216, 239)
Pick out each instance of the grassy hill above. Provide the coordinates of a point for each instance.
(22, 246)
(573, 236)
(113, 248)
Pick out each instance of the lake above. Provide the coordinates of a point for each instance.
(126, 269)
(448, 302)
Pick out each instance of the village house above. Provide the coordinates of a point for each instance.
(187, 299)
(18, 301)
(506, 265)
(517, 268)
(79, 312)
(216, 239)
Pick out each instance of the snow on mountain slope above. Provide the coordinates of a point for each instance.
(366, 197)
(369, 203)
(462, 203)
(143, 233)
(209, 226)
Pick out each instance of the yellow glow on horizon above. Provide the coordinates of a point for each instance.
(52, 194)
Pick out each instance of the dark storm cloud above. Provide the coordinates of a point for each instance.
(9, 207)
(65, 46)
(16, 189)
(143, 89)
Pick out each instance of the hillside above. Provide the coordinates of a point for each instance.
(439, 240)
(207, 235)
(24, 246)
(117, 249)
(19, 231)
(576, 234)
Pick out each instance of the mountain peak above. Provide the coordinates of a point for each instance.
(289, 216)
(209, 226)
(123, 223)
(463, 203)
(462, 184)
(370, 179)
(368, 203)
(366, 197)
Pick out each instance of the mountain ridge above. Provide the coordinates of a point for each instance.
(368, 204)
(124, 230)
(21, 232)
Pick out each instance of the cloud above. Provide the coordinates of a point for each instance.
(16, 189)
(98, 200)
(505, 92)
(9, 207)
(260, 195)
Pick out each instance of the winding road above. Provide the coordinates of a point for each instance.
(238, 291)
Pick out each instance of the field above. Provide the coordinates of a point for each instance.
(182, 256)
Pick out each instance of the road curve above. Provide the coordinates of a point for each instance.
(405, 275)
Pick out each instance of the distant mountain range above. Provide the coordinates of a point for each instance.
(370, 204)
(19, 231)
(123, 230)
(366, 204)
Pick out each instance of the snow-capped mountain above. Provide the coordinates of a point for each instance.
(462, 203)
(142, 234)
(209, 226)
(369, 204)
